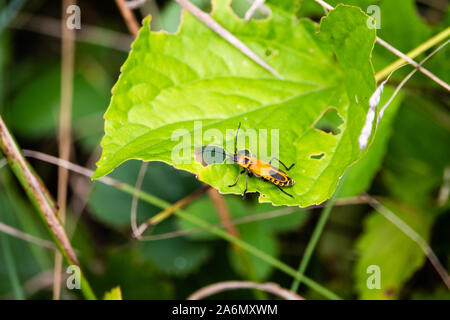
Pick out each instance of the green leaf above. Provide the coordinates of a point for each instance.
(176, 256)
(250, 265)
(170, 81)
(384, 245)
(113, 294)
(136, 278)
(421, 121)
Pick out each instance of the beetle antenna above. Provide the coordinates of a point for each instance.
(235, 139)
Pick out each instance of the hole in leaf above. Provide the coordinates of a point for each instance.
(269, 52)
(317, 156)
(241, 7)
(329, 122)
(207, 155)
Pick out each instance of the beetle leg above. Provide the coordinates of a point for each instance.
(287, 169)
(290, 195)
(237, 180)
(246, 185)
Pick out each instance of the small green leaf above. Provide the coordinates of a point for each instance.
(113, 294)
(171, 82)
(384, 245)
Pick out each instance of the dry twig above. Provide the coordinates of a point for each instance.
(129, 17)
(27, 237)
(413, 235)
(228, 36)
(65, 116)
(269, 287)
(399, 54)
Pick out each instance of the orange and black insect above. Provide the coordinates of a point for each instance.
(261, 169)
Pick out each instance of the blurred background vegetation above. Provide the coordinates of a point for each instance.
(411, 172)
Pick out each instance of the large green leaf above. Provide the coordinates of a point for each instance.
(170, 81)
(385, 246)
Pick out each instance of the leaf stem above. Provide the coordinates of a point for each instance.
(414, 53)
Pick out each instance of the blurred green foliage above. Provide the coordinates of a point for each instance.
(405, 166)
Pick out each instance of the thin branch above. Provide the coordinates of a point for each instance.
(170, 210)
(69, 165)
(9, 13)
(402, 83)
(247, 219)
(414, 53)
(129, 17)
(38, 282)
(224, 33)
(227, 222)
(167, 212)
(26, 237)
(224, 213)
(89, 33)
(3, 162)
(269, 287)
(64, 134)
(135, 200)
(81, 189)
(315, 237)
(444, 192)
(194, 220)
(38, 195)
(399, 54)
(251, 11)
(134, 4)
(413, 235)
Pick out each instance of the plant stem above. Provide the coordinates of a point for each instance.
(149, 198)
(11, 267)
(41, 200)
(129, 17)
(225, 235)
(314, 239)
(414, 53)
(9, 13)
